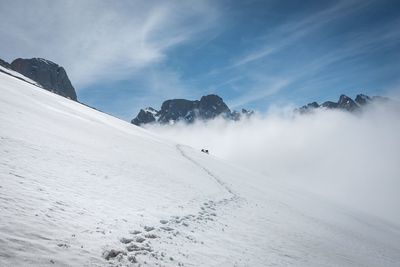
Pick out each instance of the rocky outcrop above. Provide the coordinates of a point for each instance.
(344, 103)
(5, 64)
(211, 106)
(236, 116)
(175, 110)
(49, 75)
(362, 99)
(145, 116)
(328, 105)
(308, 107)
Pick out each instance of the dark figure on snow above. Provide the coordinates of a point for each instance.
(204, 151)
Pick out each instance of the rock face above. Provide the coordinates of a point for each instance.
(5, 64)
(344, 103)
(309, 106)
(328, 105)
(236, 116)
(51, 76)
(362, 99)
(211, 106)
(175, 110)
(145, 116)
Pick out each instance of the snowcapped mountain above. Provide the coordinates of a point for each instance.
(81, 188)
(176, 110)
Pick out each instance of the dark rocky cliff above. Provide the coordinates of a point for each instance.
(51, 76)
(175, 110)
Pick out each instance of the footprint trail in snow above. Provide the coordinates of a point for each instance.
(149, 245)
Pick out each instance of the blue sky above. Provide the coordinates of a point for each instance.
(125, 55)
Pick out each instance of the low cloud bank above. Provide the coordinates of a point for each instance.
(353, 159)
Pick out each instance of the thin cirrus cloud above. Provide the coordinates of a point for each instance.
(100, 40)
(354, 47)
(295, 29)
(259, 85)
(264, 87)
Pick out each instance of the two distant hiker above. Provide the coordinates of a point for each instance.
(204, 151)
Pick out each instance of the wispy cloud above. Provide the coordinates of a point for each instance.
(261, 89)
(290, 32)
(100, 40)
(355, 46)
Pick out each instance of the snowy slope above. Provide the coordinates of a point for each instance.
(18, 76)
(81, 188)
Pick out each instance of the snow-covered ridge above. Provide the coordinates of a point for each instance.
(18, 76)
(81, 188)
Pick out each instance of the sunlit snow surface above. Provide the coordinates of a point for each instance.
(81, 188)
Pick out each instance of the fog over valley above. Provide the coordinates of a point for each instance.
(352, 159)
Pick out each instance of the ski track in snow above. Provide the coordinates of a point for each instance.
(141, 244)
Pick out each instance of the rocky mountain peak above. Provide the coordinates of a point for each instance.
(175, 110)
(344, 103)
(211, 106)
(144, 117)
(362, 99)
(347, 103)
(51, 76)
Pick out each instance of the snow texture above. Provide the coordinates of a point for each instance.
(81, 188)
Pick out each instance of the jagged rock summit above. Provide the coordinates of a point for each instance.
(147, 115)
(49, 75)
(175, 110)
(344, 103)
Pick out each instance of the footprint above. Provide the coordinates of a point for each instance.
(152, 236)
(166, 228)
(133, 247)
(132, 259)
(140, 239)
(126, 240)
(112, 254)
(148, 228)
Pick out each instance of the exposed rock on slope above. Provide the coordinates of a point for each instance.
(145, 116)
(5, 64)
(51, 76)
(347, 103)
(362, 99)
